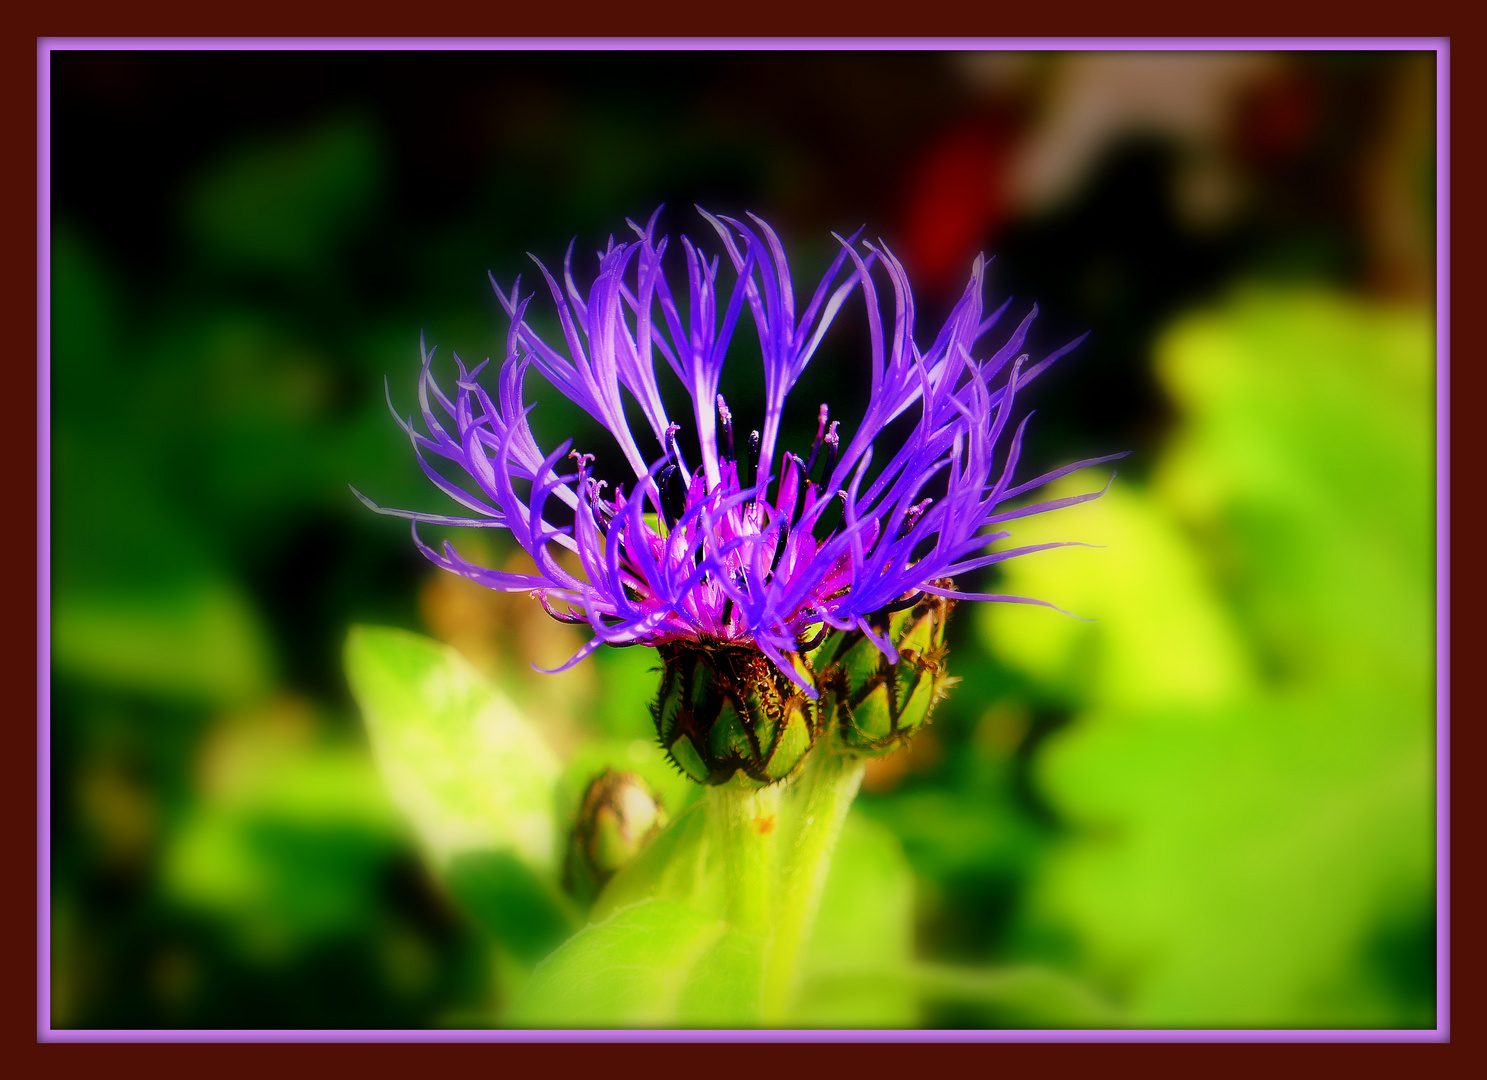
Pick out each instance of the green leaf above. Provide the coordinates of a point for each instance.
(671, 867)
(653, 964)
(459, 759)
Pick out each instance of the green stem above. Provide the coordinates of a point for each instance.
(821, 797)
(744, 820)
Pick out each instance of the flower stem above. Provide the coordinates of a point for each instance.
(819, 802)
(744, 820)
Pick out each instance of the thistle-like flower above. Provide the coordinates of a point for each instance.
(729, 546)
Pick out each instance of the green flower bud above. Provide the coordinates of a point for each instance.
(872, 706)
(618, 817)
(726, 708)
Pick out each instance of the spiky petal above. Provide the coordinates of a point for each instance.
(763, 553)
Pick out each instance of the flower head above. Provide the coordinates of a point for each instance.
(747, 544)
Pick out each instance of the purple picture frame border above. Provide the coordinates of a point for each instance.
(46, 1033)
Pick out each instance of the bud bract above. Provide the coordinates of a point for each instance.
(870, 705)
(726, 708)
(619, 816)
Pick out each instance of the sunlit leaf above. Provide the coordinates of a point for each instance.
(1310, 448)
(465, 767)
(652, 964)
(1160, 631)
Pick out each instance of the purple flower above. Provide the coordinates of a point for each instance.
(765, 547)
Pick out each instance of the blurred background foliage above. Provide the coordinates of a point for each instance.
(1211, 806)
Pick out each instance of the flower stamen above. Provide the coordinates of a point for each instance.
(816, 446)
(673, 495)
(727, 420)
(833, 446)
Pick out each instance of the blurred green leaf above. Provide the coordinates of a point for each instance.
(284, 204)
(1161, 633)
(117, 525)
(632, 678)
(85, 323)
(286, 844)
(459, 759)
(1028, 996)
(1310, 448)
(1268, 843)
(513, 903)
(198, 639)
(652, 964)
(1250, 782)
